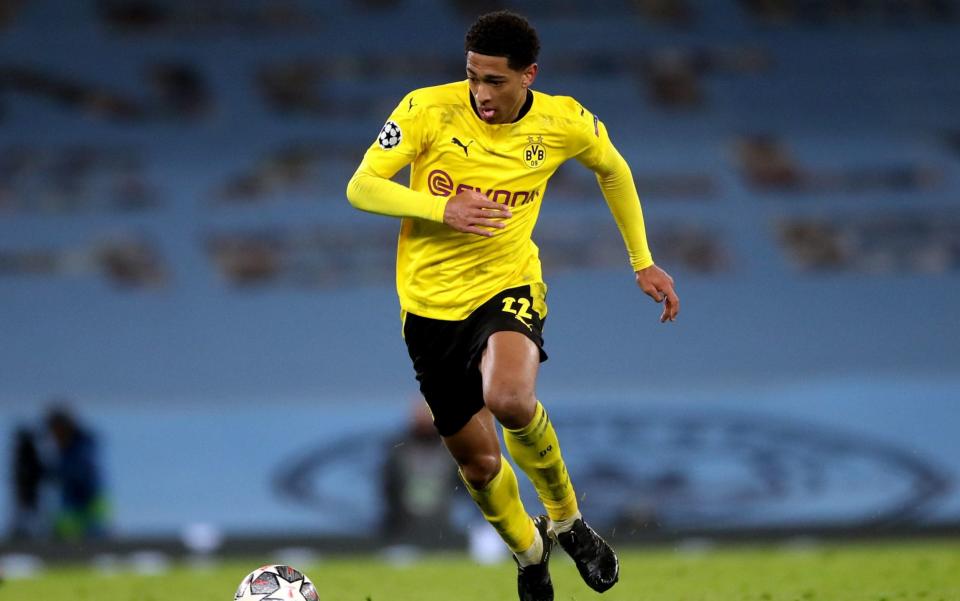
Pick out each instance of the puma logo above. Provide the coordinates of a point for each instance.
(466, 149)
(410, 106)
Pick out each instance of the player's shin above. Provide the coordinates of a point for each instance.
(536, 450)
(499, 502)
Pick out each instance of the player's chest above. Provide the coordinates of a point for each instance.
(517, 150)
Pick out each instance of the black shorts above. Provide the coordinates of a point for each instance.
(446, 354)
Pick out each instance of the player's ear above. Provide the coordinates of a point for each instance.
(529, 74)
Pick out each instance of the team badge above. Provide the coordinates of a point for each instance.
(534, 153)
(390, 135)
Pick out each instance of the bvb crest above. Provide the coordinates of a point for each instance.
(534, 152)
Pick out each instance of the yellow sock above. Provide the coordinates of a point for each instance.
(536, 450)
(499, 502)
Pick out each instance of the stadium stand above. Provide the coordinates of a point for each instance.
(174, 232)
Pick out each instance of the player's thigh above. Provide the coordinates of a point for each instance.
(509, 366)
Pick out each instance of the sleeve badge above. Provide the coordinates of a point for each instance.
(390, 135)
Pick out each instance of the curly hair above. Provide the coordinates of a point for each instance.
(507, 34)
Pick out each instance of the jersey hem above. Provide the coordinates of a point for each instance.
(540, 304)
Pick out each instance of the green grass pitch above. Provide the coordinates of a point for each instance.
(927, 571)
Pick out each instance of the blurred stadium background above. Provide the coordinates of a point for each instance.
(179, 265)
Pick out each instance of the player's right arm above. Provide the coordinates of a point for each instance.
(400, 140)
(370, 191)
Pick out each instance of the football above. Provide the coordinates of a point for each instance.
(279, 583)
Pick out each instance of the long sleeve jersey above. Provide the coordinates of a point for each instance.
(443, 273)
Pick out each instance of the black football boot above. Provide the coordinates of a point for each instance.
(597, 563)
(533, 581)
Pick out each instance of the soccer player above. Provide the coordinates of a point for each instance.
(470, 284)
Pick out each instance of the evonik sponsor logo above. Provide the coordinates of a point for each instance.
(440, 183)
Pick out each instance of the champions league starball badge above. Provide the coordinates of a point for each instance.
(390, 135)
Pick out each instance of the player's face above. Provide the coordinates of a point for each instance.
(498, 90)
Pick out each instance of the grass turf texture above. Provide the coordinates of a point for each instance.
(928, 571)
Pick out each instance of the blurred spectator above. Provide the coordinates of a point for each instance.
(814, 245)
(579, 244)
(301, 169)
(419, 482)
(306, 87)
(127, 261)
(9, 10)
(76, 470)
(901, 177)
(131, 262)
(74, 179)
(912, 243)
(831, 11)
(695, 248)
(313, 257)
(28, 474)
(180, 89)
(246, 259)
(669, 12)
(674, 75)
(365, 5)
(538, 9)
(767, 163)
(674, 80)
(579, 185)
(953, 141)
(208, 16)
(311, 87)
(89, 99)
(294, 87)
(133, 15)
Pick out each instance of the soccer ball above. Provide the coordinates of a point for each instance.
(279, 583)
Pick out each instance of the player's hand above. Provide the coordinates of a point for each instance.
(658, 285)
(472, 212)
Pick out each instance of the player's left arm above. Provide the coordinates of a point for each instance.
(616, 182)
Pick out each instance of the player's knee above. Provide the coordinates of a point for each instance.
(512, 403)
(480, 470)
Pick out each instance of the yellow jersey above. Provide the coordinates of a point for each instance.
(446, 274)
